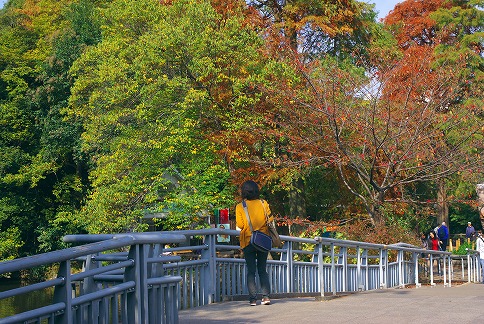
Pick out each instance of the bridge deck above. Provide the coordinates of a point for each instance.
(458, 304)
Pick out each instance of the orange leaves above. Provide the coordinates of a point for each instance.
(412, 23)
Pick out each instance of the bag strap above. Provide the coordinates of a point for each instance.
(244, 204)
(269, 220)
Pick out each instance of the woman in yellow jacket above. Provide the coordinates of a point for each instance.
(255, 260)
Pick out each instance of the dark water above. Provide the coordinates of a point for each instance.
(18, 304)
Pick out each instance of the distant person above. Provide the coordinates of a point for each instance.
(436, 230)
(470, 232)
(254, 259)
(425, 243)
(480, 248)
(433, 243)
(443, 234)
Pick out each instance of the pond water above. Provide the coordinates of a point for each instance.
(18, 304)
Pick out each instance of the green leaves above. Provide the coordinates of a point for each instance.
(149, 96)
(10, 244)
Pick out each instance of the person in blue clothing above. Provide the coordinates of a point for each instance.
(443, 234)
(470, 232)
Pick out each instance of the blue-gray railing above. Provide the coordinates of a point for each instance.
(148, 277)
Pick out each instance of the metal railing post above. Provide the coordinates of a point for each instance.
(451, 269)
(383, 268)
(463, 268)
(400, 259)
(64, 293)
(333, 271)
(88, 284)
(289, 269)
(358, 269)
(321, 268)
(136, 300)
(367, 270)
(416, 259)
(444, 271)
(344, 261)
(209, 273)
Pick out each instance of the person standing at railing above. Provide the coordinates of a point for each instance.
(443, 234)
(434, 243)
(480, 248)
(425, 243)
(255, 259)
(470, 232)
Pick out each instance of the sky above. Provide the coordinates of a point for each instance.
(383, 6)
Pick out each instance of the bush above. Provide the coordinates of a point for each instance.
(462, 250)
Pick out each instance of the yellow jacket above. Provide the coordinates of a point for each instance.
(256, 209)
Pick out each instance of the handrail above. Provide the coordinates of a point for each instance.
(62, 255)
(103, 293)
(32, 287)
(93, 272)
(39, 312)
(115, 241)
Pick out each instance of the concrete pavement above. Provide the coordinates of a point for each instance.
(461, 304)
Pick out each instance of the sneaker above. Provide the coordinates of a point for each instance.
(253, 303)
(265, 301)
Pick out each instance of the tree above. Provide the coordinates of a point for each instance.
(343, 30)
(377, 142)
(153, 96)
(20, 203)
(337, 28)
(438, 33)
(41, 177)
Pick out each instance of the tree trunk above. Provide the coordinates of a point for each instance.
(442, 204)
(297, 203)
(374, 210)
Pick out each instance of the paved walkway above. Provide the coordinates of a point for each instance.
(458, 304)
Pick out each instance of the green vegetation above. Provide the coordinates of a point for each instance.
(462, 250)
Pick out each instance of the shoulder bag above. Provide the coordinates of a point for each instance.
(259, 240)
(271, 225)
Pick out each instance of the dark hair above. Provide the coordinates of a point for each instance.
(250, 190)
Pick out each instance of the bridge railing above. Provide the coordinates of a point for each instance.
(147, 277)
(213, 272)
(85, 296)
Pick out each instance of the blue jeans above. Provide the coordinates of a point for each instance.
(256, 260)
